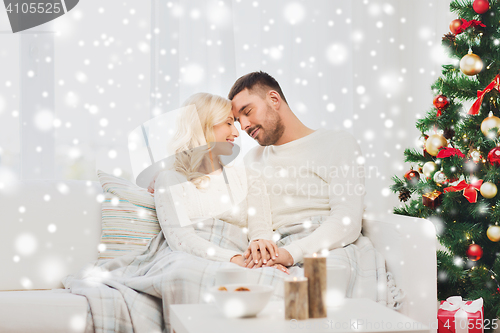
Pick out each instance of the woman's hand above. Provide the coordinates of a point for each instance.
(281, 268)
(151, 187)
(270, 263)
(261, 250)
(238, 260)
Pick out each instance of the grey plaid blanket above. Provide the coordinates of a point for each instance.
(132, 293)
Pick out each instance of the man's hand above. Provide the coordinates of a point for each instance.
(285, 258)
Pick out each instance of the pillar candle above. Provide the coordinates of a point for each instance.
(296, 303)
(315, 272)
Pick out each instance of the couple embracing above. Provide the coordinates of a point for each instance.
(299, 192)
(296, 175)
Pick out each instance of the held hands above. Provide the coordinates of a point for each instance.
(268, 250)
(240, 261)
(272, 255)
(284, 258)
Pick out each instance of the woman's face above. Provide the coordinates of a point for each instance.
(225, 133)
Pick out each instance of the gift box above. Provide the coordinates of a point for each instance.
(432, 199)
(459, 316)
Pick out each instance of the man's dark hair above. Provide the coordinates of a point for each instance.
(256, 82)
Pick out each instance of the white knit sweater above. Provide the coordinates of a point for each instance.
(308, 177)
(180, 208)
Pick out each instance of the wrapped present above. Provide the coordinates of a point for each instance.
(432, 199)
(458, 316)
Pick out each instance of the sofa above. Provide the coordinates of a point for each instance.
(51, 228)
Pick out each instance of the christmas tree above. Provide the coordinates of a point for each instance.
(460, 160)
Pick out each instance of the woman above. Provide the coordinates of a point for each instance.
(199, 189)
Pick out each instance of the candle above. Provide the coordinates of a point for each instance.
(296, 303)
(315, 272)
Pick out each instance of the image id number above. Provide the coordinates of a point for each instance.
(34, 7)
(474, 323)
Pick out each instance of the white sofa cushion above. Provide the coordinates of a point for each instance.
(43, 311)
(50, 228)
(128, 217)
(408, 245)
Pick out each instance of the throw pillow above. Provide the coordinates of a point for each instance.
(129, 219)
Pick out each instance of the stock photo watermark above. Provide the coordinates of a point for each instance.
(367, 324)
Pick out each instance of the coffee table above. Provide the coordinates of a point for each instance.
(355, 315)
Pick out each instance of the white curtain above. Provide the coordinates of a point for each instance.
(105, 68)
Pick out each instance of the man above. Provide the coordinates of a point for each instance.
(307, 172)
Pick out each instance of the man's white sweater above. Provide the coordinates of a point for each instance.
(321, 174)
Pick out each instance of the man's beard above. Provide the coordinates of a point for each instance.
(273, 129)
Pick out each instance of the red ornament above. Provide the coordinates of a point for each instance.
(455, 25)
(441, 102)
(412, 176)
(474, 252)
(494, 156)
(481, 6)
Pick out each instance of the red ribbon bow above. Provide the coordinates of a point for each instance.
(469, 189)
(466, 24)
(495, 84)
(447, 152)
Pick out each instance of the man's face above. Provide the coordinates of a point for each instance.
(257, 118)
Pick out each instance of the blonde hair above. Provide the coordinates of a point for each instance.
(210, 110)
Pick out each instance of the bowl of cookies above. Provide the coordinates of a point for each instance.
(241, 300)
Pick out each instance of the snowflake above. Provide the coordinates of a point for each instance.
(44, 120)
(294, 13)
(192, 74)
(337, 54)
(26, 244)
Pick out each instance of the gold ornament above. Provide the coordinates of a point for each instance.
(488, 123)
(488, 190)
(429, 168)
(434, 142)
(493, 233)
(475, 155)
(471, 64)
